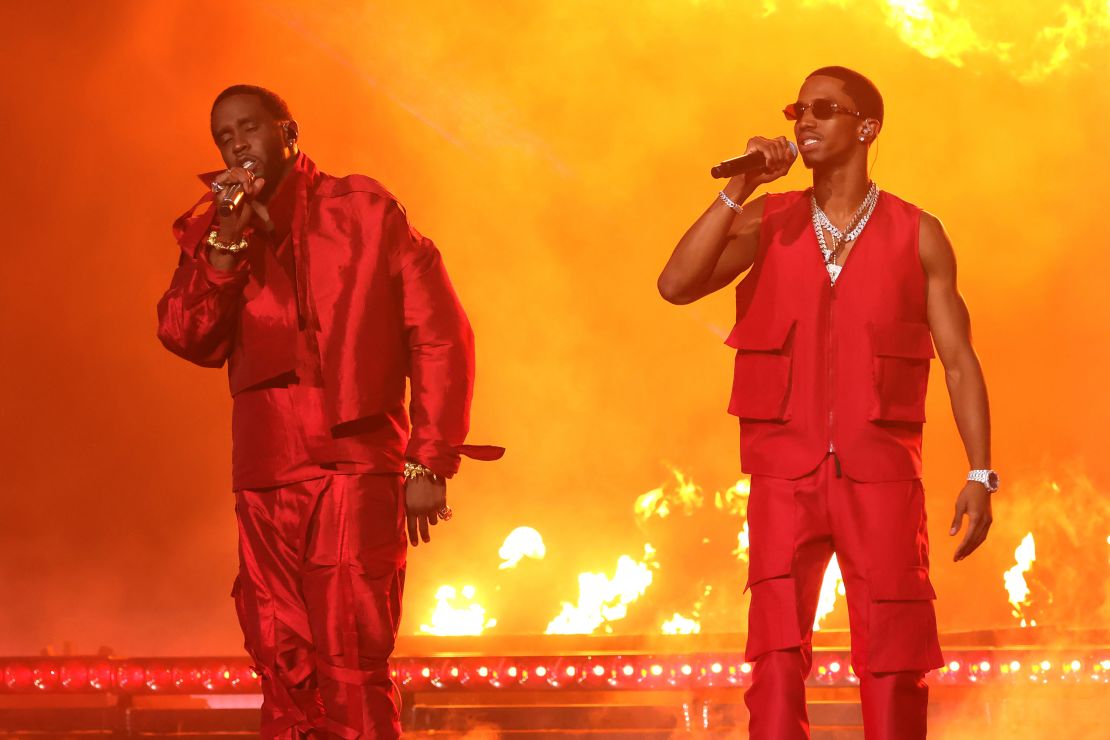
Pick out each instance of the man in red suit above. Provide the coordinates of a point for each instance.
(847, 290)
(321, 298)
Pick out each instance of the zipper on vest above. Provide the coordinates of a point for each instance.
(831, 378)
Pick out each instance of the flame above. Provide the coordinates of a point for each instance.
(1083, 23)
(465, 618)
(735, 499)
(831, 586)
(743, 544)
(602, 599)
(1014, 578)
(680, 625)
(1033, 40)
(522, 542)
(937, 35)
(686, 496)
(1042, 45)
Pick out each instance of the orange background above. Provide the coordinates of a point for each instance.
(555, 151)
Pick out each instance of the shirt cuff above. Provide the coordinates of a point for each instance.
(235, 278)
(444, 459)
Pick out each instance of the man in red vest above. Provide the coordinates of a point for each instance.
(321, 298)
(847, 290)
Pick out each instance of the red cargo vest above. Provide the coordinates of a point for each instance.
(822, 367)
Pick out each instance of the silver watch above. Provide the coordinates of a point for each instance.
(988, 478)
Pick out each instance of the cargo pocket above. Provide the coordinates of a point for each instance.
(761, 379)
(902, 629)
(773, 612)
(901, 365)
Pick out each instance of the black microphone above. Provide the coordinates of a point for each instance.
(746, 163)
(232, 195)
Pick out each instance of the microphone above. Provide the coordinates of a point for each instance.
(232, 195)
(746, 163)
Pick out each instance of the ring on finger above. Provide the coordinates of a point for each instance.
(445, 513)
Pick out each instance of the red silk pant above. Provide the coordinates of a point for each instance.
(321, 573)
(879, 535)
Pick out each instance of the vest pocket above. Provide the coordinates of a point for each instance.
(901, 365)
(762, 374)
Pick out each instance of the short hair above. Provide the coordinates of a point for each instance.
(271, 101)
(861, 90)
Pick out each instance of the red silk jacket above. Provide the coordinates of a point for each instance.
(841, 368)
(378, 295)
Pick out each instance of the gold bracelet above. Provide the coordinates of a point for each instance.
(416, 470)
(215, 243)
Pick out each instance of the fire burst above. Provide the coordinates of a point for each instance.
(602, 599)
(522, 542)
(831, 587)
(457, 616)
(680, 625)
(1014, 578)
(1034, 40)
(687, 497)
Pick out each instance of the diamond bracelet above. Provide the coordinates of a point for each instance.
(731, 203)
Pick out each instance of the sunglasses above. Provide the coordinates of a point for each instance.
(822, 109)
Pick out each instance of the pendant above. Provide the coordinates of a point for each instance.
(834, 271)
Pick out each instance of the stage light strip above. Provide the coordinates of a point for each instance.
(83, 675)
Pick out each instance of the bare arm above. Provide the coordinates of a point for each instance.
(950, 325)
(722, 244)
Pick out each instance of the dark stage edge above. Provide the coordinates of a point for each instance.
(834, 714)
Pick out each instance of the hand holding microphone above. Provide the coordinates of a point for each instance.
(234, 189)
(230, 187)
(764, 160)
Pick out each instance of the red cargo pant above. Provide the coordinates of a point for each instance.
(879, 535)
(321, 572)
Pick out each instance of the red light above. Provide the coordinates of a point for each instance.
(131, 677)
(215, 678)
(242, 676)
(18, 677)
(74, 676)
(45, 676)
(100, 676)
(159, 678)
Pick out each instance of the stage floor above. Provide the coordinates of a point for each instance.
(1018, 685)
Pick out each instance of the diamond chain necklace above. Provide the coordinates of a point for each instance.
(821, 223)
